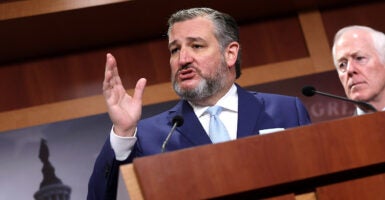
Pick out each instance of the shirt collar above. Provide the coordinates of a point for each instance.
(228, 102)
(359, 111)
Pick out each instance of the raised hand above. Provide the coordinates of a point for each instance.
(123, 109)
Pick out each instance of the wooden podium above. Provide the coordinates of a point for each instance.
(341, 159)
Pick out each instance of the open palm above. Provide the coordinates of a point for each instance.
(123, 109)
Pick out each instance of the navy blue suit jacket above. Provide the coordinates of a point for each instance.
(256, 111)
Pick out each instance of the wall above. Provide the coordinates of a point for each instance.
(54, 53)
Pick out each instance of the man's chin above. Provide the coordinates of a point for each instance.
(183, 89)
(359, 97)
(188, 85)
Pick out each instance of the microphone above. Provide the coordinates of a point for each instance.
(177, 121)
(310, 91)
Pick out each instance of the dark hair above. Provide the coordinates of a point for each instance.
(226, 28)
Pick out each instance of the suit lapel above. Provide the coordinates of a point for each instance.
(249, 111)
(191, 129)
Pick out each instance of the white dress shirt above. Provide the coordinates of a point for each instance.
(122, 146)
(359, 111)
(228, 116)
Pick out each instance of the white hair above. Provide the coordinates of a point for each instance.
(378, 39)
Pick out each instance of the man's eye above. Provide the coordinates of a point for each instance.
(197, 46)
(342, 66)
(359, 58)
(174, 50)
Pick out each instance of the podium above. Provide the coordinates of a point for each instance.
(340, 159)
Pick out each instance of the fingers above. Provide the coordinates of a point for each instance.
(112, 84)
(139, 89)
(112, 65)
(111, 75)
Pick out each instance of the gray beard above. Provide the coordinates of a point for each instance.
(206, 88)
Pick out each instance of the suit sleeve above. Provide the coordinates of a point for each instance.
(104, 179)
(303, 115)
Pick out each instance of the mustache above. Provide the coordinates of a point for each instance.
(186, 66)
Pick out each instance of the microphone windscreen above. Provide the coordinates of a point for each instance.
(308, 91)
(178, 120)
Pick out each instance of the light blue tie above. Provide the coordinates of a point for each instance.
(217, 131)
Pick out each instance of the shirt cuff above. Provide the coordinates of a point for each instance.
(122, 146)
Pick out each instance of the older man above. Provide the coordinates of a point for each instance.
(359, 56)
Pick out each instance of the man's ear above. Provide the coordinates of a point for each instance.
(231, 54)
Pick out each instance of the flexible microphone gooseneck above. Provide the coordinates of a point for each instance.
(310, 91)
(177, 121)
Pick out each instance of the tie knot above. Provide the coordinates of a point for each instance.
(214, 110)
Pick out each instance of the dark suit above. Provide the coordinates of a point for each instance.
(256, 111)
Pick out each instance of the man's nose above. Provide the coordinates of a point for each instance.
(184, 57)
(351, 68)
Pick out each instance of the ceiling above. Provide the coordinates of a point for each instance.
(125, 22)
